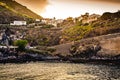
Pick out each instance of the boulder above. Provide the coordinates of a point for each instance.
(86, 51)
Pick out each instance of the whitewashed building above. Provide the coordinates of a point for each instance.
(37, 20)
(19, 23)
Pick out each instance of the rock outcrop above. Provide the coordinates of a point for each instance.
(109, 15)
(101, 47)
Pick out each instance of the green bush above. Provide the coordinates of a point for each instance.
(21, 44)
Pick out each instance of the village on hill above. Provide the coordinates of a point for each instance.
(37, 40)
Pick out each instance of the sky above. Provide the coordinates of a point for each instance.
(62, 9)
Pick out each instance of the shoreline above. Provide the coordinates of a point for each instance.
(61, 60)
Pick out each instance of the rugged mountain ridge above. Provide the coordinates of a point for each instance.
(11, 10)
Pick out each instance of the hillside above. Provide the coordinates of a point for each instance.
(108, 23)
(11, 10)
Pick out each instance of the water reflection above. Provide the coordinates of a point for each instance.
(58, 71)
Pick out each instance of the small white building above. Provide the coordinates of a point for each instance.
(19, 23)
(37, 20)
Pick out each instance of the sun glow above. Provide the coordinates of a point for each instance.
(62, 10)
(49, 12)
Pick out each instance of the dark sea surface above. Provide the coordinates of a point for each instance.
(59, 71)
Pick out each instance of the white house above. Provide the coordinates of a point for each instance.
(19, 23)
(37, 20)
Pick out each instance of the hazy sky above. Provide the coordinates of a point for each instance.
(73, 8)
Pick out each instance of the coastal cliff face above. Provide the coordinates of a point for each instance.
(109, 46)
